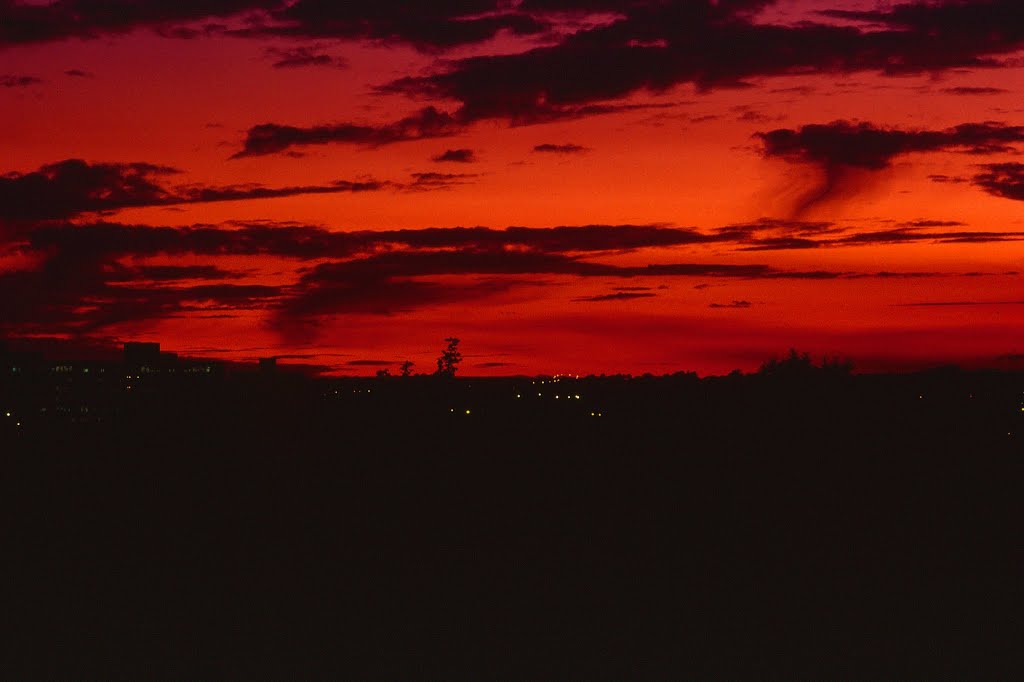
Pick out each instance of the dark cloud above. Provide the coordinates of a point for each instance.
(617, 296)
(79, 73)
(407, 264)
(72, 187)
(88, 277)
(428, 26)
(644, 46)
(606, 237)
(429, 122)
(370, 363)
(908, 235)
(963, 33)
(402, 281)
(434, 181)
(655, 46)
(335, 293)
(392, 283)
(560, 239)
(640, 44)
(310, 242)
(166, 273)
(885, 274)
(433, 26)
(74, 293)
(304, 242)
(843, 151)
(788, 227)
(456, 156)
(19, 81)
(934, 223)
(297, 57)
(192, 194)
(781, 244)
(864, 145)
(734, 304)
(22, 22)
(287, 241)
(560, 148)
(968, 91)
(775, 235)
(1003, 180)
(270, 138)
(950, 179)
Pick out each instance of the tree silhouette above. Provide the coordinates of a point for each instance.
(800, 365)
(796, 364)
(450, 358)
(405, 369)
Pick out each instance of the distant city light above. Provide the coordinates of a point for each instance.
(467, 412)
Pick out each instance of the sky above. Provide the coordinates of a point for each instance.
(567, 186)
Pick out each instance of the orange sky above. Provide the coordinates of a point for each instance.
(682, 157)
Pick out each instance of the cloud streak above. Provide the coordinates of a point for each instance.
(303, 56)
(617, 296)
(640, 46)
(456, 156)
(72, 187)
(560, 148)
(19, 81)
(86, 278)
(845, 152)
(1003, 180)
(272, 138)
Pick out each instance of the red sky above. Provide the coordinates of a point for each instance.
(694, 185)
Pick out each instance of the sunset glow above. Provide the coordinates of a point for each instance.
(572, 186)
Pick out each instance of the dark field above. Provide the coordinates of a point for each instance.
(754, 526)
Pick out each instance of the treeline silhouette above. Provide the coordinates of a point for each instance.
(799, 521)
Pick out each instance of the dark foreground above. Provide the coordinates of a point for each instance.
(826, 527)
